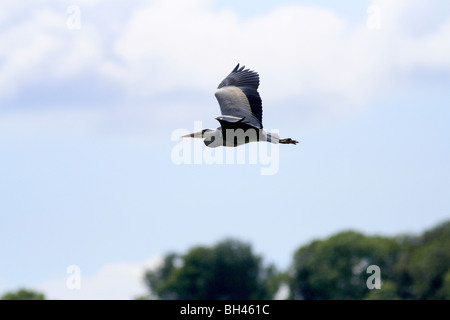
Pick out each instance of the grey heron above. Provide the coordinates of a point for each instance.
(241, 108)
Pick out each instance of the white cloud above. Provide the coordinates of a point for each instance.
(415, 34)
(40, 47)
(299, 49)
(165, 46)
(115, 281)
(303, 53)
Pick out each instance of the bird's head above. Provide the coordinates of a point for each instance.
(212, 138)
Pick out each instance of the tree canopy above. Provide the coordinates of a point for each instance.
(337, 267)
(23, 294)
(411, 267)
(229, 270)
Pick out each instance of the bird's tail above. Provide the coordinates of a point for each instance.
(273, 137)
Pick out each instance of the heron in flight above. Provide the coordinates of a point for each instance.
(241, 108)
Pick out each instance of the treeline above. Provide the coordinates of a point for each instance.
(408, 267)
(339, 267)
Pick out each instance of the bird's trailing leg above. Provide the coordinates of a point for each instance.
(288, 141)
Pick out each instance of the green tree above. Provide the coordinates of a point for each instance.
(389, 291)
(335, 268)
(229, 270)
(426, 264)
(23, 294)
(412, 267)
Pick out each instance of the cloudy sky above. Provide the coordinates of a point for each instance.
(92, 92)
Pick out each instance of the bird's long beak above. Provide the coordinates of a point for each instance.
(193, 135)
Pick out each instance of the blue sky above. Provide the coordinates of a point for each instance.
(86, 118)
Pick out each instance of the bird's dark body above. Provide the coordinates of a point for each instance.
(234, 130)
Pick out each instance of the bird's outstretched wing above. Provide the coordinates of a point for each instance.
(238, 96)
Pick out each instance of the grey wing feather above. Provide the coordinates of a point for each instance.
(238, 96)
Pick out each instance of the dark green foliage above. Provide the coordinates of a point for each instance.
(23, 294)
(411, 267)
(228, 270)
(336, 268)
(424, 268)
